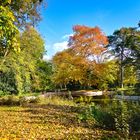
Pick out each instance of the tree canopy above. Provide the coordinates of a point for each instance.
(8, 32)
(80, 63)
(124, 44)
(88, 41)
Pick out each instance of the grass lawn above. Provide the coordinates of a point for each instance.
(50, 121)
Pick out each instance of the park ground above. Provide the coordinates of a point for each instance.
(57, 120)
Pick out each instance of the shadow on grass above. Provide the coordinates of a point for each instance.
(57, 114)
(59, 121)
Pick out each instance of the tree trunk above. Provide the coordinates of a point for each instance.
(121, 76)
(121, 68)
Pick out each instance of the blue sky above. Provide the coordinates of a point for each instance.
(61, 15)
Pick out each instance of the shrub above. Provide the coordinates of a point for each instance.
(114, 116)
(10, 100)
(83, 99)
(2, 93)
(29, 99)
(121, 118)
(103, 117)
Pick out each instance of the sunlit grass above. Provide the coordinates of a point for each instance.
(57, 101)
(53, 118)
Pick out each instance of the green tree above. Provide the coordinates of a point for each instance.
(23, 65)
(130, 75)
(32, 50)
(18, 70)
(15, 14)
(8, 32)
(106, 74)
(25, 11)
(45, 71)
(124, 44)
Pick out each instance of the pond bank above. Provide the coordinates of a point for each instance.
(74, 93)
(124, 97)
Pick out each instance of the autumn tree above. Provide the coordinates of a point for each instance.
(88, 41)
(71, 69)
(82, 62)
(68, 67)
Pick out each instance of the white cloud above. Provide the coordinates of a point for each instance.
(60, 46)
(67, 36)
(46, 57)
(52, 49)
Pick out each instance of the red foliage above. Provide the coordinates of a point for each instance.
(88, 41)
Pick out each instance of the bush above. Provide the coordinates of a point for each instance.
(103, 117)
(114, 116)
(12, 100)
(83, 99)
(121, 117)
(9, 100)
(29, 99)
(2, 93)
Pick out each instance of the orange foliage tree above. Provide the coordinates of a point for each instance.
(87, 41)
(80, 63)
(69, 68)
